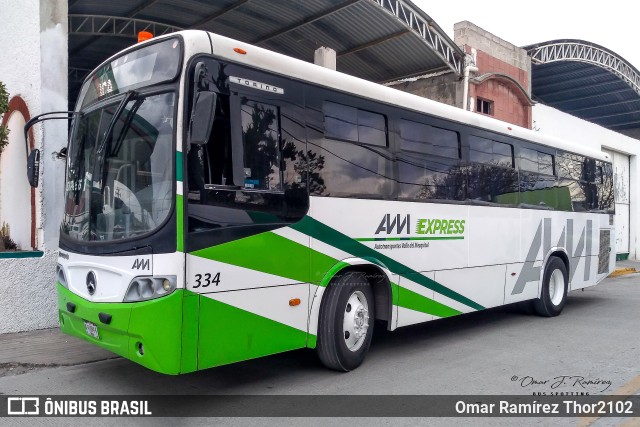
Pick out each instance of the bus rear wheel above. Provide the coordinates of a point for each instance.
(554, 289)
(346, 321)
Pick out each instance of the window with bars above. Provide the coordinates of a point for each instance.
(484, 106)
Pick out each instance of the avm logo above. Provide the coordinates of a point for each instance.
(542, 239)
(395, 224)
(140, 264)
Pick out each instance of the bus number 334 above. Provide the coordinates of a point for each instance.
(206, 279)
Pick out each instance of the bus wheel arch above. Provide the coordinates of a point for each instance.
(378, 280)
(563, 256)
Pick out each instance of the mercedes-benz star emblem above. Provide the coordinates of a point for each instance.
(92, 283)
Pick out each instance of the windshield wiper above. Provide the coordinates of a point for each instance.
(77, 189)
(127, 97)
(101, 150)
(125, 127)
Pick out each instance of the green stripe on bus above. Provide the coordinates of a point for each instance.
(180, 224)
(245, 335)
(415, 301)
(399, 239)
(179, 165)
(312, 341)
(336, 268)
(292, 264)
(330, 236)
(295, 266)
(190, 316)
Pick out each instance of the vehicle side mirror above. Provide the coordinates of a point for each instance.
(201, 123)
(33, 167)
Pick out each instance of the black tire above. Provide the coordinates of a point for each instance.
(553, 295)
(332, 346)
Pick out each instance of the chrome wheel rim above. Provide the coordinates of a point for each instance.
(356, 321)
(556, 287)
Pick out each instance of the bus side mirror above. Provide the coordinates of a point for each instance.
(201, 123)
(33, 167)
(33, 159)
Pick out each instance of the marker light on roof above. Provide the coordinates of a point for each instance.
(144, 35)
(240, 51)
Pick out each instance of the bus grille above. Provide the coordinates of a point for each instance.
(603, 256)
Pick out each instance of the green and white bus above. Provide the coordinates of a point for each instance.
(225, 202)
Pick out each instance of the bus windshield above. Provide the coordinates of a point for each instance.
(152, 64)
(120, 169)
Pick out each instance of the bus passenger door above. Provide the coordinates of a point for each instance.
(245, 187)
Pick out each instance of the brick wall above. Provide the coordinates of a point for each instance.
(495, 59)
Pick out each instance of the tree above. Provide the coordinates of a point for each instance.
(4, 107)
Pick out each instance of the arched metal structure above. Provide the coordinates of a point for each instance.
(427, 29)
(378, 40)
(589, 53)
(586, 80)
(102, 25)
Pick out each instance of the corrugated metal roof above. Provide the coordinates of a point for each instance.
(370, 41)
(598, 88)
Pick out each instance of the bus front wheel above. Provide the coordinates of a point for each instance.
(346, 321)
(554, 289)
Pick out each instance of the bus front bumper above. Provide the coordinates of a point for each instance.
(148, 332)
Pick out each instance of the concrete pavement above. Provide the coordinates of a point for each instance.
(28, 351)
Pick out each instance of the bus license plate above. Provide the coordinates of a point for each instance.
(92, 329)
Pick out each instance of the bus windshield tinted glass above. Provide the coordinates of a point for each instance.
(152, 64)
(120, 185)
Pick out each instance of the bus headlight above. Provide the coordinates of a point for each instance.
(60, 277)
(146, 288)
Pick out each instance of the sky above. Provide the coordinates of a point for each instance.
(613, 24)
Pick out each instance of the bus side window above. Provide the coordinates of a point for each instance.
(261, 146)
(604, 184)
(354, 124)
(428, 163)
(431, 140)
(538, 184)
(211, 163)
(571, 174)
(349, 146)
(218, 149)
(425, 177)
(492, 177)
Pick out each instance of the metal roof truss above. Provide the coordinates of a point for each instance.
(429, 34)
(580, 52)
(100, 25)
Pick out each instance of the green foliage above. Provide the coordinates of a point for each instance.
(6, 242)
(4, 107)
(4, 99)
(4, 137)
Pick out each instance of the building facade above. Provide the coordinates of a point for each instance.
(34, 70)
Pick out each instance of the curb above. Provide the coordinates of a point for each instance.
(623, 271)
